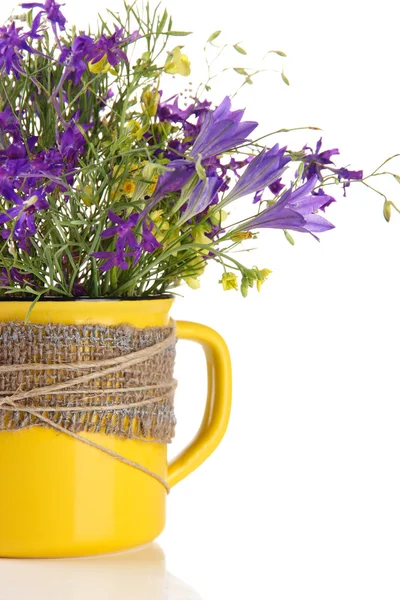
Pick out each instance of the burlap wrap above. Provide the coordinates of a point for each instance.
(148, 385)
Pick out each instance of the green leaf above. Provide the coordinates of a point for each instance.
(278, 52)
(214, 36)
(397, 178)
(288, 237)
(240, 70)
(179, 33)
(249, 81)
(162, 22)
(239, 49)
(284, 78)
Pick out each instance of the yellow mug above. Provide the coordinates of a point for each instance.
(60, 497)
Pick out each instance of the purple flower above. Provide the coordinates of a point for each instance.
(12, 43)
(52, 10)
(13, 276)
(262, 171)
(122, 230)
(23, 212)
(71, 146)
(171, 112)
(75, 59)
(116, 259)
(316, 161)
(103, 101)
(201, 197)
(276, 187)
(344, 173)
(174, 178)
(325, 199)
(295, 210)
(222, 130)
(347, 176)
(78, 289)
(149, 243)
(111, 47)
(9, 122)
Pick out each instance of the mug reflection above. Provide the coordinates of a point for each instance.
(139, 573)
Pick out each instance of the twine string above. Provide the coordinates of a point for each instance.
(111, 366)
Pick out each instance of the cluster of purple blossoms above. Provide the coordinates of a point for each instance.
(315, 162)
(85, 49)
(12, 43)
(222, 130)
(127, 245)
(27, 175)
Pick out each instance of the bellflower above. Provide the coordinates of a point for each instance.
(202, 196)
(294, 210)
(178, 173)
(262, 171)
(222, 130)
(325, 199)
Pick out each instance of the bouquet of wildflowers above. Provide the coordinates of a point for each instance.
(108, 189)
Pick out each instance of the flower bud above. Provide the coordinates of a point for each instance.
(244, 288)
(150, 100)
(239, 236)
(387, 210)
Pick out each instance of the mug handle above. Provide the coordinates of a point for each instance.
(216, 416)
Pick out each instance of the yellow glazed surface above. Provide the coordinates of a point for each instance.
(61, 497)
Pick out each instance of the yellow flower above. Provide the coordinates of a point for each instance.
(136, 131)
(261, 277)
(199, 236)
(101, 66)
(195, 268)
(177, 63)
(193, 282)
(229, 281)
(128, 187)
(150, 100)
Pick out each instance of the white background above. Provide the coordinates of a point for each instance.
(302, 498)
